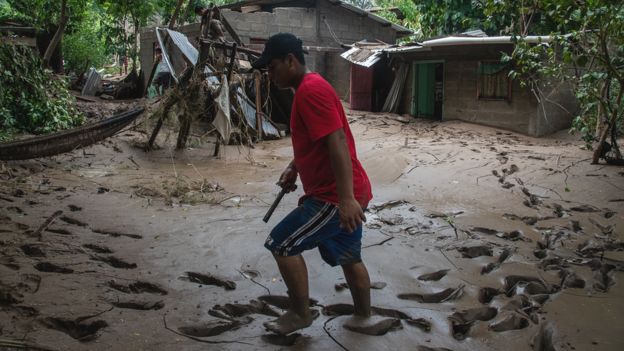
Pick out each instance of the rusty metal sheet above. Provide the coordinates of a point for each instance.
(181, 42)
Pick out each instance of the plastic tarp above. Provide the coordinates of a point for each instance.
(222, 121)
(249, 111)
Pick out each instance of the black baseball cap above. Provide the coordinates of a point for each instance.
(279, 46)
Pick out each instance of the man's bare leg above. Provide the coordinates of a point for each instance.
(295, 275)
(359, 284)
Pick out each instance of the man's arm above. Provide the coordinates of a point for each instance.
(351, 214)
(288, 178)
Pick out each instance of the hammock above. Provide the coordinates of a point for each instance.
(67, 140)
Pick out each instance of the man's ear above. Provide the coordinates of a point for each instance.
(291, 60)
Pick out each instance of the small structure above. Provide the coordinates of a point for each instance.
(462, 77)
(18, 34)
(325, 26)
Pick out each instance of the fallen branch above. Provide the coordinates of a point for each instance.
(47, 223)
(331, 336)
(14, 344)
(379, 243)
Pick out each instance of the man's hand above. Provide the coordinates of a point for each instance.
(351, 215)
(288, 179)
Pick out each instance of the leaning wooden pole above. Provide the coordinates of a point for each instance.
(257, 77)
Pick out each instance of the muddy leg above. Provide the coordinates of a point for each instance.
(295, 275)
(359, 284)
(362, 321)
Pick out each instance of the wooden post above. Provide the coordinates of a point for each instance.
(217, 146)
(257, 77)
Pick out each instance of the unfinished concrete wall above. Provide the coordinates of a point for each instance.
(556, 110)
(460, 100)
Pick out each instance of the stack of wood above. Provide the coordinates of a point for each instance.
(217, 86)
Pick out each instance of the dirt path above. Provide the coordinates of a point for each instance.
(478, 239)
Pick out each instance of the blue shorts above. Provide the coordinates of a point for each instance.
(313, 224)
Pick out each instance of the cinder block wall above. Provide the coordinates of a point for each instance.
(556, 111)
(460, 100)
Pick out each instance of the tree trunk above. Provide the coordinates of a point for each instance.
(602, 125)
(175, 15)
(57, 36)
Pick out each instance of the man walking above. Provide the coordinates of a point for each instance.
(337, 189)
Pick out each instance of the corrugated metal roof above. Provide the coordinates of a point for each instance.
(181, 41)
(455, 40)
(362, 56)
(461, 41)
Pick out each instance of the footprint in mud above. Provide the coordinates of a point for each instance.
(114, 262)
(115, 234)
(571, 280)
(59, 231)
(282, 340)
(504, 255)
(441, 296)
(29, 283)
(604, 278)
(9, 297)
(530, 284)
(462, 321)
(52, 268)
(511, 322)
(483, 230)
(427, 348)
(138, 287)
(241, 310)
(98, 248)
(374, 285)
(435, 276)
(209, 279)
(543, 340)
(475, 251)
(209, 329)
(73, 221)
(281, 302)
(374, 325)
(77, 329)
(585, 208)
(343, 309)
(74, 208)
(32, 250)
(513, 235)
(486, 294)
(139, 305)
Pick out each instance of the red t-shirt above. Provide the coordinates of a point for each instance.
(316, 113)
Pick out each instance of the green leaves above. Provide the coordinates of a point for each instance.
(32, 100)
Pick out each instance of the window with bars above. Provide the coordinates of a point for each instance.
(493, 81)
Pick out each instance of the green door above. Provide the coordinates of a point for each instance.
(423, 99)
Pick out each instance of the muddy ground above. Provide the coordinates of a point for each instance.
(477, 239)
